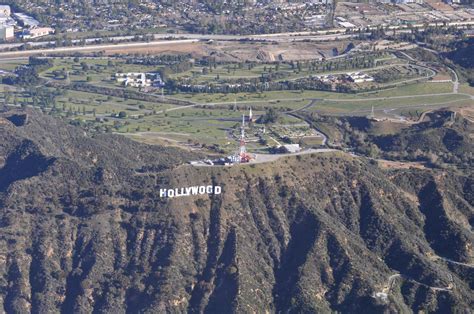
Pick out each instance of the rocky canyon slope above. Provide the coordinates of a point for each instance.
(83, 229)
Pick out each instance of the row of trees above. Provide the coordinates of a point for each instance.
(165, 59)
(27, 75)
(253, 86)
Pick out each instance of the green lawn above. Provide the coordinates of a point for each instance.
(211, 125)
(465, 88)
(419, 102)
(201, 125)
(413, 89)
(104, 104)
(242, 71)
(99, 71)
(11, 65)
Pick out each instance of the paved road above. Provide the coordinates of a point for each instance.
(455, 82)
(454, 262)
(325, 35)
(293, 113)
(264, 158)
(391, 281)
(455, 75)
(393, 97)
(321, 35)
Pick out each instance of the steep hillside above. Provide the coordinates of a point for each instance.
(84, 229)
(462, 53)
(443, 137)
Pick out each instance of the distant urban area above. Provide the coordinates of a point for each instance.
(31, 19)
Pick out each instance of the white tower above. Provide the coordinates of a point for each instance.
(250, 115)
(243, 157)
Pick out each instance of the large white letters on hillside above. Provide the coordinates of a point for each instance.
(192, 190)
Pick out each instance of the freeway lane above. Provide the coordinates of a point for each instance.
(171, 39)
(320, 35)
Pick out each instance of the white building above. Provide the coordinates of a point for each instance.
(139, 79)
(346, 24)
(5, 10)
(359, 77)
(6, 32)
(38, 32)
(5, 18)
(292, 148)
(26, 20)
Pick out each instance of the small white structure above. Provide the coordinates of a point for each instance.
(346, 24)
(292, 148)
(6, 32)
(359, 77)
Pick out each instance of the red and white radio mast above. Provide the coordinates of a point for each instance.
(244, 157)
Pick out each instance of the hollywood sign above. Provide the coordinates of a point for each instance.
(192, 190)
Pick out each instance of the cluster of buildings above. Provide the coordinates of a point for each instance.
(37, 32)
(359, 77)
(24, 25)
(404, 13)
(140, 80)
(351, 77)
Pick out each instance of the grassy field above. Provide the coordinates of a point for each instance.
(197, 125)
(107, 104)
(465, 88)
(214, 73)
(233, 71)
(101, 70)
(205, 126)
(10, 65)
(413, 89)
(408, 90)
(216, 123)
(5, 88)
(98, 71)
(365, 106)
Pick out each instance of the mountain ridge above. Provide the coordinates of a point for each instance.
(314, 233)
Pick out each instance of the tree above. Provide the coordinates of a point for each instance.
(270, 116)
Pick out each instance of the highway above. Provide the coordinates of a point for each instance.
(320, 35)
(160, 39)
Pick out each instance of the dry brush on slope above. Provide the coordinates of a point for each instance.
(84, 229)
